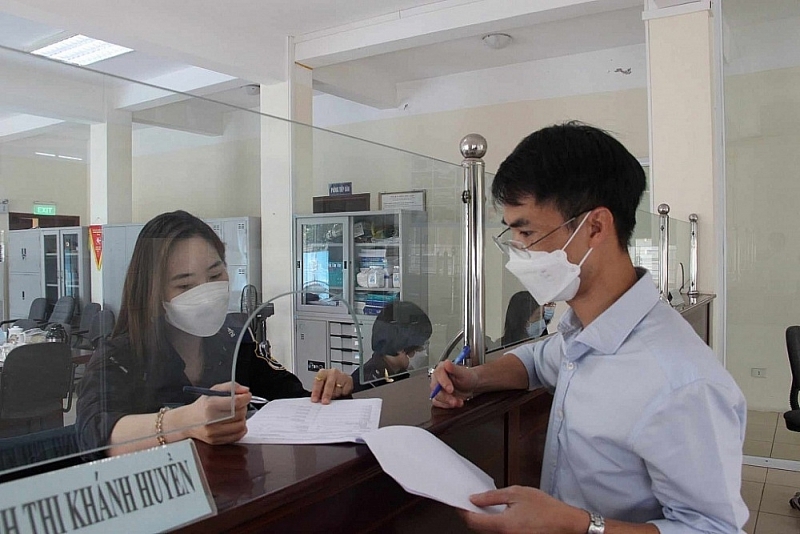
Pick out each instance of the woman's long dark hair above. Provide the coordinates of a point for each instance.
(145, 281)
(521, 306)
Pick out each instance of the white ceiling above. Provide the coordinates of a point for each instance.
(246, 39)
(530, 43)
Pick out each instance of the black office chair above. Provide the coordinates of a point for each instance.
(82, 333)
(36, 316)
(63, 311)
(792, 417)
(35, 380)
(101, 327)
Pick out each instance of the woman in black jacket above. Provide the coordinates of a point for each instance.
(172, 333)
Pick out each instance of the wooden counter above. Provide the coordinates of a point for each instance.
(341, 488)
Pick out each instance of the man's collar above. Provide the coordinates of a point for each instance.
(612, 327)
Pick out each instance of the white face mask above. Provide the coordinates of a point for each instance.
(548, 276)
(200, 311)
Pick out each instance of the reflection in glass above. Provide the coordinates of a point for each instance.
(762, 283)
(400, 334)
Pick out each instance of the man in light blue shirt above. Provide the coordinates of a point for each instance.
(646, 427)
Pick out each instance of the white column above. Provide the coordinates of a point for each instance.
(682, 114)
(284, 151)
(110, 179)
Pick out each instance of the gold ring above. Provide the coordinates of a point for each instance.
(339, 386)
(318, 378)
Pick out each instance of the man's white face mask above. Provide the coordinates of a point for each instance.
(548, 276)
(200, 311)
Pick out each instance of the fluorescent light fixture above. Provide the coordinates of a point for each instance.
(81, 50)
(45, 154)
(73, 158)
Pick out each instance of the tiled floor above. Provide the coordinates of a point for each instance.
(767, 491)
(767, 436)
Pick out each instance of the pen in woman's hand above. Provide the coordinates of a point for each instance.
(214, 393)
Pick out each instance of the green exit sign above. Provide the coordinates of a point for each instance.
(44, 209)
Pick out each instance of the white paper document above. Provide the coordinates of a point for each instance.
(300, 421)
(424, 465)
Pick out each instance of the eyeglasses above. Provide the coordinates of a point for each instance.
(507, 245)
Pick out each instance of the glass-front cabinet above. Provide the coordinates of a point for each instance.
(65, 259)
(321, 262)
(366, 258)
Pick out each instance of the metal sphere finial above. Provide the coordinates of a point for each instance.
(663, 209)
(473, 146)
(693, 217)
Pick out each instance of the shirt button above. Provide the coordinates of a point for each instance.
(570, 366)
(560, 414)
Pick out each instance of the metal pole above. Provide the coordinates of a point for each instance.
(693, 292)
(473, 148)
(663, 256)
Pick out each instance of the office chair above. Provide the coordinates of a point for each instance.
(101, 328)
(35, 380)
(63, 311)
(87, 314)
(36, 315)
(792, 417)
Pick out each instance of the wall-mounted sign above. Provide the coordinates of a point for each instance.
(408, 200)
(340, 188)
(149, 491)
(43, 208)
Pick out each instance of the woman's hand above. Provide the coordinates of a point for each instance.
(206, 409)
(331, 384)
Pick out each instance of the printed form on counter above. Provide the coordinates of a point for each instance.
(300, 421)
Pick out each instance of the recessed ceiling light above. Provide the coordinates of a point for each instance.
(497, 40)
(81, 50)
(49, 155)
(73, 158)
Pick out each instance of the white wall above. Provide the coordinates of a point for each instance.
(209, 176)
(24, 180)
(763, 247)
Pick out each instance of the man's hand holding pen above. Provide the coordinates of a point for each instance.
(458, 383)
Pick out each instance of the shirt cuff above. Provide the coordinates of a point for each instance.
(525, 354)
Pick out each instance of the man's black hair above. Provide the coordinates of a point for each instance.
(575, 168)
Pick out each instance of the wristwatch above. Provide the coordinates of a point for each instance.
(597, 525)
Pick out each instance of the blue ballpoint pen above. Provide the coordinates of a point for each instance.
(214, 393)
(461, 357)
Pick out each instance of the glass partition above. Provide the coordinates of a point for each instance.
(83, 146)
(762, 285)
(399, 263)
(645, 250)
(116, 154)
